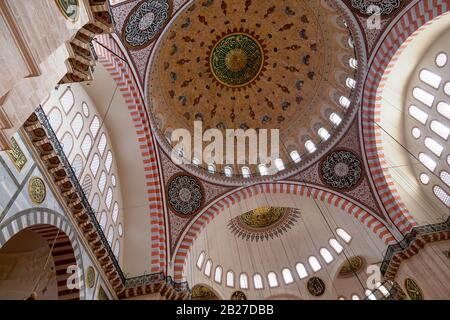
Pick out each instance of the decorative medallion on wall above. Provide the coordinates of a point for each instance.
(341, 169)
(352, 266)
(413, 290)
(16, 155)
(385, 6)
(185, 194)
(200, 292)
(316, 286)
(70, 9)
(37, 190)
(90, 277)
(263, 223)
(236, 60)
(145, 22)
(238, 295)
(101, 295)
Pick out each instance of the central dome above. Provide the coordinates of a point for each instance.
(251, 65)
(236, 60)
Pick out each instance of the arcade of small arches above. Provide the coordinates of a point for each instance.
(354, 207)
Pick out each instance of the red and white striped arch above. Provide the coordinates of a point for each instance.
(367, 219)
(57, 231)
(405, 29)
(121, 72)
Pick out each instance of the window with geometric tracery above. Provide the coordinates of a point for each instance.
(429, 111)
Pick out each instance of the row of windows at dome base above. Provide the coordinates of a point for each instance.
(433, 126)
(310, 146)
(272, 277)
(369, 295)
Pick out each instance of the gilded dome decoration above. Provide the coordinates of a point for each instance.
(385, 6)
(236, 60)
(263, 223)
(185, 194)
(238, 295)
(250, 65)
(37, 190)
(201, 292)
(413, 290)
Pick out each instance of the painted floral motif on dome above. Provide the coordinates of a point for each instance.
(145, 22)
(200, 292)
(263, 223)
(238, 295)
(236, 60)
(385, 6)
(341, 169)
(185, 194)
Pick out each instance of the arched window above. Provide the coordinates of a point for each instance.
(86, 185)
(447, 88)
(336, 245)
(355, 297)
(67, 143)
(228, 171)
(102, 182)
(263, 170)
(102, 144)
(383, 289)
(350, 83)
(95, 203)
(85, 108)
(201, 259)
(430, 78)
(230, 279)
(95, 126)
(423, 96)
(343, 235)
(120, 230)
(195, 162)
(433, 146)
(427, 162)
(323, 134)
(314, 264)
(218, 274)
(108, 161)
(257, 281)
(110, 235)
(208, 268)
(279, 164)
(86, 145)
(245, 172)
(55, 119)
(310, 146)
(77, 165)
(77, 124)
(67, 100)
(108, 199)
(115, 212)
(117, 249)
(301, 270)
(211, 168)
(103, 220)
(295, 156)
(95, 164)
(418, 114)
(353, 63)
(272, 279)
(287, 276)
(326, 255)
(344, 102)
(440, 129)
(444, 109)
(335, 119)
(243, 281)
(442, 195)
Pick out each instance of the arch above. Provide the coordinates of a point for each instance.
(215, 208)
(50, 225)
(409, 25)
(123, 75)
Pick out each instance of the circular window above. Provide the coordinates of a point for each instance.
(424, 178)
(416, 133)
(441, 59)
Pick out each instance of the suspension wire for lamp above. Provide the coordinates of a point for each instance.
(36, 285)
